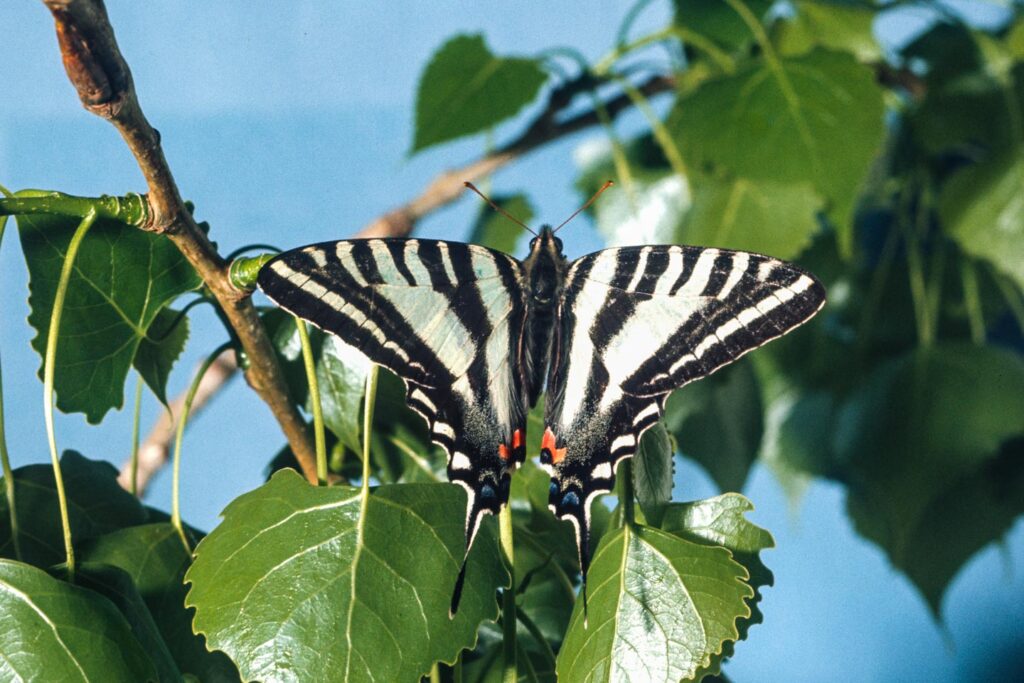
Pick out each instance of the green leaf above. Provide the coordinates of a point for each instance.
(115, 585)
(718, 422)
(159, 350)
(341, 373)
(969, 514)
(762, 216)
(817, 119)
(838, 25)
(717, 20)
(981, 208)
(652, 472)
(54, 631)
(466, 89)
(299, 582)
(493, 230)
(401, 449)
(153, 556)
(720, 521)
(660, 608)
(96, 505)
(918, 429)
(122, 277)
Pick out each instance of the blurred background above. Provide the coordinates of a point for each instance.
(889, 434)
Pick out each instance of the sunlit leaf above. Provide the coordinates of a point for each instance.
(762, 216)
(54, 631)
(299, 580)
(817, 118)
(660, 608)
(466, 89)
(123, 276)
(983, 209)
(836, 24)
(720, 521)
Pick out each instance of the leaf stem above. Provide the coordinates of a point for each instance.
(658, 129)
(49, 368)
(131, 208)
(1013, 298)
(314, 398)
(435, 673)
(716, 54)
(179, 436)
(5, 460)
(972, 301)
(508, 598)
(371, 395)
(134, 480)
(625, 492)
(535, 631)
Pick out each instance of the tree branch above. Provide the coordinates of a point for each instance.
(545, 129)
(101, 76)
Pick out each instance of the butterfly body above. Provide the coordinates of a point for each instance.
(478, 335)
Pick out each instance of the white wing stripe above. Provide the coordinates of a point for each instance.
(740, 260)
(641, 266)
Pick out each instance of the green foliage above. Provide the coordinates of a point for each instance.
(44, 638)
(660, 608)
(718, 423)
(300, 580)
(153, 558)
(718, 21)
(920, 428)
(466, 89)
(892, 175)
(97, 505)
(773, 121)
(122, 278)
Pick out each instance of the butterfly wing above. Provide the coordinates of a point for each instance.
(447, 318)
(636, 323)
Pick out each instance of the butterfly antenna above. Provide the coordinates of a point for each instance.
(585, 206)
(500, 210)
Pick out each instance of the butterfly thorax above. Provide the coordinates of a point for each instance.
(544, 272)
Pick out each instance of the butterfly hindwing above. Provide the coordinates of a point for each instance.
(448, 319)
(636, 323)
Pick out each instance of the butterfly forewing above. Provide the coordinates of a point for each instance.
(448, 319)
(636, 323)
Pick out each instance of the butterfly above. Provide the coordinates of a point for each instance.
(477, 335)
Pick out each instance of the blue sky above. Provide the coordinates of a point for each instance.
(292, 125)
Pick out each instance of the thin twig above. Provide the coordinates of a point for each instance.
(101, 76)
(154, 452)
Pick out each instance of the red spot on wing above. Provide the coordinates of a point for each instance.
(549, 443)
(503, 452)
(517, 439)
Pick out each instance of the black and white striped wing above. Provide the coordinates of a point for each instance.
(447, 318)
(636, 323)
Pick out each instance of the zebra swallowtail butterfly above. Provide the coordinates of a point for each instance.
(477, 335)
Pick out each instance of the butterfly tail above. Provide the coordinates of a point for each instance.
(476, 508)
